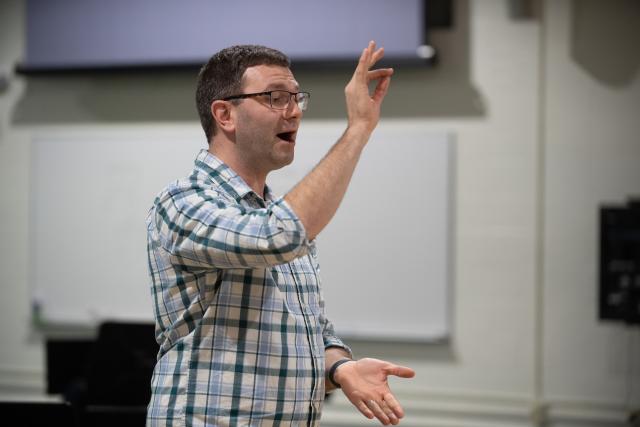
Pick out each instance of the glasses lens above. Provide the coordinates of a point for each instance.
(280, 99)
(302, 98)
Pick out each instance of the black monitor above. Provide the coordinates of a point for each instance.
(620, 262)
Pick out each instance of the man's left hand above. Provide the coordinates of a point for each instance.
(364, 382)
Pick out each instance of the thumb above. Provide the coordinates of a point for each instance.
(400, 371)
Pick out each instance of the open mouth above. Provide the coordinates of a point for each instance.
(287, 136)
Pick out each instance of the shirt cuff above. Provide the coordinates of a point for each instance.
(333, 341)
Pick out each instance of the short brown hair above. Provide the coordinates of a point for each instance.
(222, 75)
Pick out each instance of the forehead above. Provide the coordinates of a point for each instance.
(263, 77)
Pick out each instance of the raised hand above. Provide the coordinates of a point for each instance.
(364, 382)
(363, 108)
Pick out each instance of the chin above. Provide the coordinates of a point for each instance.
(283, 161)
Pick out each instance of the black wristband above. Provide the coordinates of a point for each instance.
(332, 371)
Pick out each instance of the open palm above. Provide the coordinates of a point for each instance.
(365, 384)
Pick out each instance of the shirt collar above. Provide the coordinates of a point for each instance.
(226, 177)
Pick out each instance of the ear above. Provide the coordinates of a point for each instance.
(223, 114)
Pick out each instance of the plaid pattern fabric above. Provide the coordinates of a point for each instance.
(237, 304)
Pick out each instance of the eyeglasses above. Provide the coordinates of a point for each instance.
(278, 99)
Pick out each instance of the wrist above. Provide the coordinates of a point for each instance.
(334, 372)
(359, 131)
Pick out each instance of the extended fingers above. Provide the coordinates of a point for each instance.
(381, 89)
(380, 413)
(376, 56)
(393, 418)
(400, 371)
(393, 404)
(384, 407)
(362, 407)
(365, 60)
(369, 57)
(379, 73)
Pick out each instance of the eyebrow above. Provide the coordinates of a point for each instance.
(281, 86)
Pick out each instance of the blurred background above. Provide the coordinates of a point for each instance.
(541, 103)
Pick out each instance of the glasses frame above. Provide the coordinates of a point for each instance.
(269, 92)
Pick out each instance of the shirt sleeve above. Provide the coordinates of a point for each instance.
(211, 231)
(330, 338)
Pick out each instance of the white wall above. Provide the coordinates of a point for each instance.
(592, 157)
(546, 143)
(21, 358)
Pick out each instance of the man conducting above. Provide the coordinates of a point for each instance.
(239, 314)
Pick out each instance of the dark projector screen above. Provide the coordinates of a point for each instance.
(77, 34)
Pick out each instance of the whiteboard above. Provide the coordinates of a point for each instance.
(385, 257)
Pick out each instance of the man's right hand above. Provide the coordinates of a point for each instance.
(317, 197)
(363, 108)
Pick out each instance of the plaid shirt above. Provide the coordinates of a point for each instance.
(237, 304)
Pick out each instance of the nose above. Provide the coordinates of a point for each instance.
(292, 110)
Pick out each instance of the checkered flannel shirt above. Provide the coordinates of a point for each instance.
(237, 303)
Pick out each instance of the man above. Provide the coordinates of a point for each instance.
(239, 313)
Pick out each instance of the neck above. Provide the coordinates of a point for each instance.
(254, 178)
